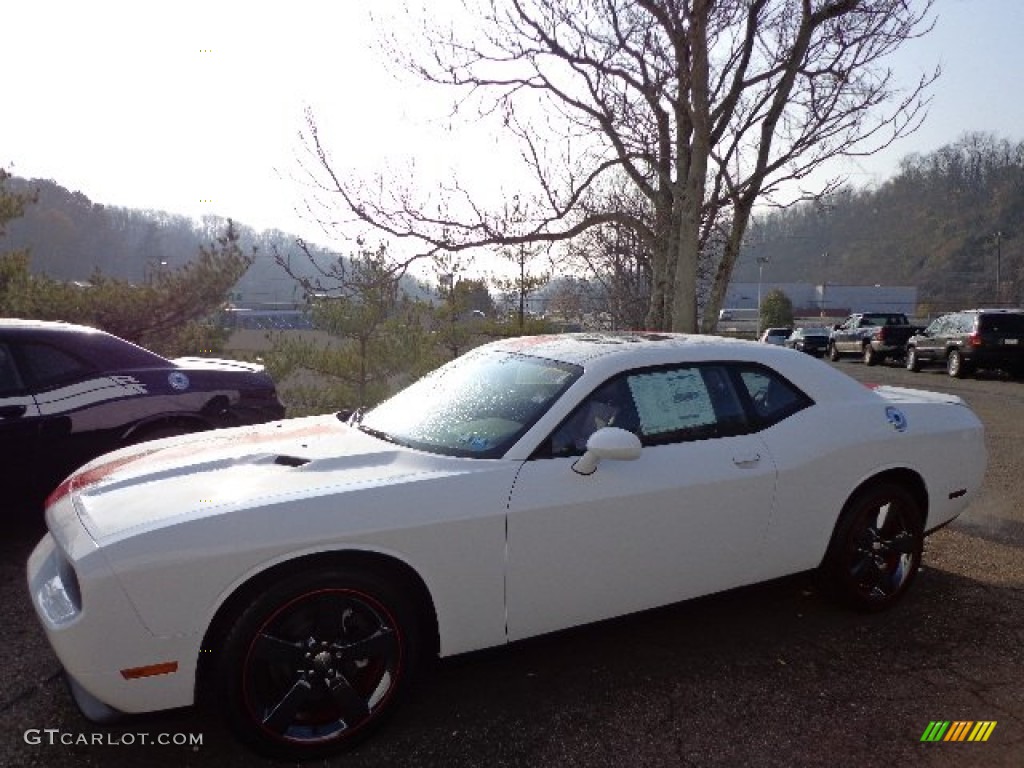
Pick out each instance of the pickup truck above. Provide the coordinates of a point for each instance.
(873, 336)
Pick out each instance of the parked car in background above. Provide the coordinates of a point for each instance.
(813, 341)
(70, 393)
(872, 336)
(970, 339)
(775, 336)
(530, 485)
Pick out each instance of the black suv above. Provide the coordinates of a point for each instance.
(970, 339)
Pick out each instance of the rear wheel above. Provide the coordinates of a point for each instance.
(876, 548)
(955, 365)
(160, 432)
(316, 663)
(870, 356)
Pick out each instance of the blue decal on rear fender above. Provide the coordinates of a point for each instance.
(897, 418)
(178, 381)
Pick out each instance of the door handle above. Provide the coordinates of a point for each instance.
(747, 461)
(12, 411)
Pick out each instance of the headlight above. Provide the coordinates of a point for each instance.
(59, 595)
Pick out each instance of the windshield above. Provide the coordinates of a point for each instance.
(477, 405)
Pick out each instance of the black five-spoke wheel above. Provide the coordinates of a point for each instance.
(316, 663)
(876, 550)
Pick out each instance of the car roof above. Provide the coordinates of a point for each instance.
(59, 326)
(992, 310)
(604, 354)
(583, 348)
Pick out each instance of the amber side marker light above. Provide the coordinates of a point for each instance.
(166, 668)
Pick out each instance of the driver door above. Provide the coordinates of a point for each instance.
(687, 518)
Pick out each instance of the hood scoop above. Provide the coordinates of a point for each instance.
(290, 461)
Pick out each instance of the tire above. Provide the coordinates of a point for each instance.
(316, 663)
(955, 366)
(870, 356)
(876, 549)
(158, 433)
(912, 363)
(833, 353)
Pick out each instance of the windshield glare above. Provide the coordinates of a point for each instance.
(477, 405)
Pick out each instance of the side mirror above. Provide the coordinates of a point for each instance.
(607, 443)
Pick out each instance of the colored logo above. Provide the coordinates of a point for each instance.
(178, 380)
(897, 418)
(958, 730)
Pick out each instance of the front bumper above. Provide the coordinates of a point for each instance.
(93, 709)
(98, 636)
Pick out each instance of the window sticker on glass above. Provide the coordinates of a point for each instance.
(669, 401)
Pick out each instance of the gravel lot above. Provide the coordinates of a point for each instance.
(773, 675)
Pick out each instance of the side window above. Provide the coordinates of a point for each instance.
(773, 398)
(663, 405)
(10, 379)
(685, 403)
(46, 365)
(610, 405)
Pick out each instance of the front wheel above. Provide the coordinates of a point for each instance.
(876, 548)
(912, 361)
(833, 353)
(316, 663)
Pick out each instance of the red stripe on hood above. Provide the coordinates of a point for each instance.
(214, 441)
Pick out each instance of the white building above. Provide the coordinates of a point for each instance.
(828, 299)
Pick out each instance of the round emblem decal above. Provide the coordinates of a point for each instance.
(178, 380)
(897, 418)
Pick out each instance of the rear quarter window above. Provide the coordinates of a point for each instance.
(112, 353)
(772, 397)
(1012, 325)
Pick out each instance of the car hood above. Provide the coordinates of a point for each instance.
(164, 481)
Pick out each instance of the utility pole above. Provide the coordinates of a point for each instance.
(999, 265)
(761, 261)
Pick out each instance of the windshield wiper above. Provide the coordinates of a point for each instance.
(379, 434)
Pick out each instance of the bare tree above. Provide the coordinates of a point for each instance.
(518, 288)
(706, 106)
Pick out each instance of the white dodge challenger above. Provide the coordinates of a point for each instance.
(294, 574)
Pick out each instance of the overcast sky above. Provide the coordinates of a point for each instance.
(195, 107)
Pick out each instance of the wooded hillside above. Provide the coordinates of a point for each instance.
(948, 222)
